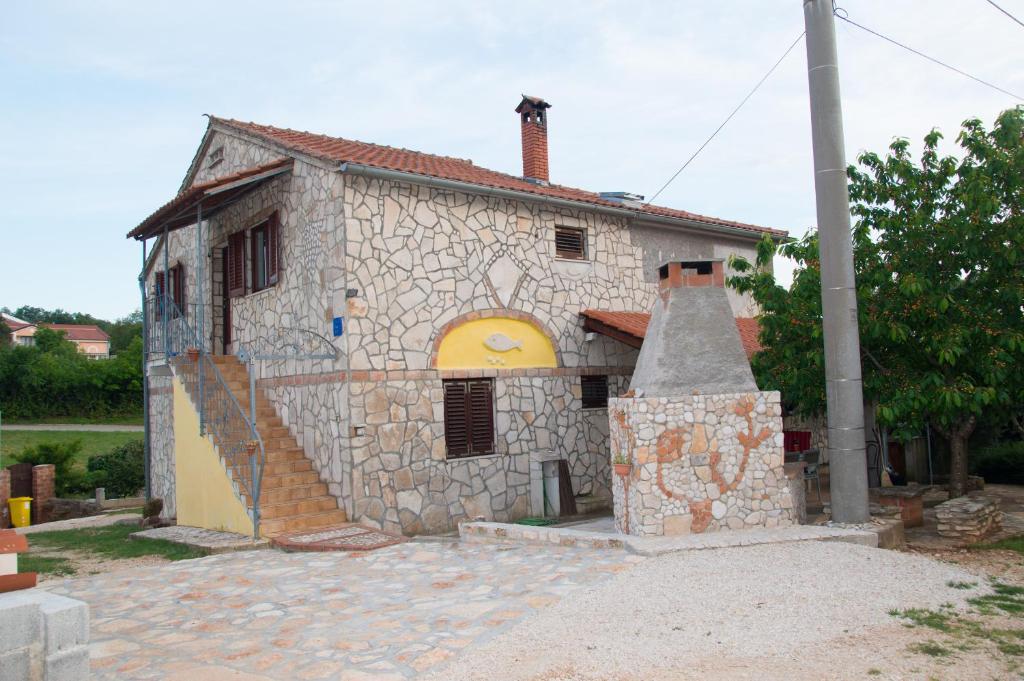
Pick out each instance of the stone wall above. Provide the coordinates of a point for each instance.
(161, 443)
(700, 463)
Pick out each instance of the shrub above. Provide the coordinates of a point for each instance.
(68, 479)
(121, 471)
(1000, 463)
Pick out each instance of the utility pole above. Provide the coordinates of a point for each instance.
(848, 478)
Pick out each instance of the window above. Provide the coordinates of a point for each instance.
(175, 283)
(570, 243)
(263, 249)
(469, 417)
(595, 392)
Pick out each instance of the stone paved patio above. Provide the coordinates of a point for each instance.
(383, 615)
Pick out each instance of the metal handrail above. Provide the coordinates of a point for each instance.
(220, 416)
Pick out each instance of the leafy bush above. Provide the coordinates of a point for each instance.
(121, 471)
(68, 479)
(1000, 463)
(54, 380)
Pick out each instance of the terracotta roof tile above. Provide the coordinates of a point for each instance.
(635, 324)
(80, 332)
(341, 150)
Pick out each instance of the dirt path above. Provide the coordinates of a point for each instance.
(85, 564)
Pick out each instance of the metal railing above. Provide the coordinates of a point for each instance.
(220, 416)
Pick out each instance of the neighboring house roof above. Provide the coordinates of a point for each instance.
(634, 324)
(80, 332)
(15, 324)
(341, 150)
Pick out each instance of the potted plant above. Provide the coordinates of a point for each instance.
(621, 465)
(193, 354)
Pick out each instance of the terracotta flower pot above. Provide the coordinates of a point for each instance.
(193, 354)
(622, 469)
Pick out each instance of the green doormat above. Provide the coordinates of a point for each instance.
(537, 522)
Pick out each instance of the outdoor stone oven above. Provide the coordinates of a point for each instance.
(697, 446)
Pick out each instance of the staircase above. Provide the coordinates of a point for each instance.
(292, 497)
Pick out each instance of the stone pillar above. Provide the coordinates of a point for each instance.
(5, 494)
(797, 490)
(42, 491)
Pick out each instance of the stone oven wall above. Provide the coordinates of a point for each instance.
(700, 463)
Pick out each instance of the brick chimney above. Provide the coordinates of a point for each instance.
(533, 118)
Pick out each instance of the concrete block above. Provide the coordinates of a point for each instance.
(65, 623)
(16, 665)
(21, 622)
(67, 665)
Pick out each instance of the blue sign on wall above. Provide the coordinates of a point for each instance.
(338, 326)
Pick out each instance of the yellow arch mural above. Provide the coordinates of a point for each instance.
(495, 343)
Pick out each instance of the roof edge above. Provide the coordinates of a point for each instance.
(513, 194)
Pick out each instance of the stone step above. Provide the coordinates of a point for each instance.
(282, 467)
(298, 507)
(281, 480)
(313, 521)
(277, 495)
(291, 453)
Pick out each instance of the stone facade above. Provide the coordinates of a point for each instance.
(398, 262)
(161, 443)
(699, 463)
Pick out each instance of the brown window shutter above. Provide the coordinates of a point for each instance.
(481, 417)
(178, 293)
(273, 250)
(159, 283)
(456, 418)
(236, 264)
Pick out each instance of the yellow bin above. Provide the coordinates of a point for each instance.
(21, 511)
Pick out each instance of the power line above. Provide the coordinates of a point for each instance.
(1005, 12)
(841, 14)
(728, 118)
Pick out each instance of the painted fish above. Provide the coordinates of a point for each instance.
(499, 342)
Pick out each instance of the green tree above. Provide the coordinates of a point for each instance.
(939, 288)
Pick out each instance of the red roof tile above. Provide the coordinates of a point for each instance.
(340, 150)
(80, 332)
(635, 324)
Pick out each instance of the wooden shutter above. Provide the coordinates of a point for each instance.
(481, 417)
(456, 418)
(273, 250)
(236, 265)
(178, 291)
(570, 243)
(159, 283)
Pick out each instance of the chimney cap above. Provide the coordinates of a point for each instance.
(529, 102)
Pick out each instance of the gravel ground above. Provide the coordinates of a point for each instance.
(678, 612)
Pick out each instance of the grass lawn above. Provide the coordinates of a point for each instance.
(112, 421)
(13, 441)
(1010, 544)
(110, 542)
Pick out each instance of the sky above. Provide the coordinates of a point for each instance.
(103, 103)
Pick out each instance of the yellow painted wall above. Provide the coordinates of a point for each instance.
(203, 490)
(465, 346)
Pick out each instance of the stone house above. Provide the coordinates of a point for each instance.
(422, 334)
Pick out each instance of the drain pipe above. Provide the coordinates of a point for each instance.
(146, 449)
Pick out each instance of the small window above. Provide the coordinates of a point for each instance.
(595, 392)
(263, 250)
(570, 243)
(215, 157)
(469, 418)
